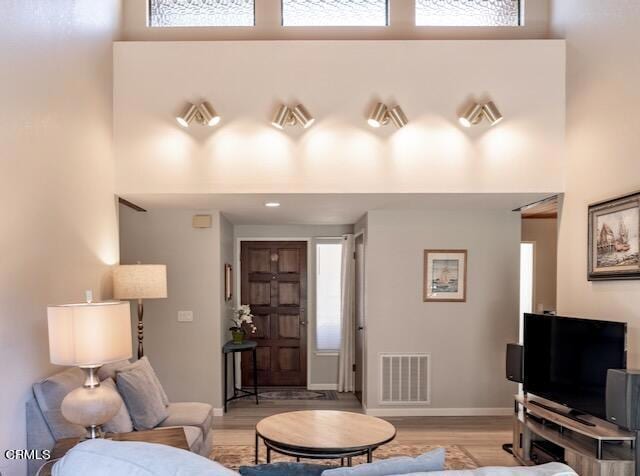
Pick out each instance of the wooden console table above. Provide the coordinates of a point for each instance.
(599, 450)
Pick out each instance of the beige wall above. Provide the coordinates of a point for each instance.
(59, 225)
(602, 148)
(323, 368)
(227, 256)
(544, 233)
(338, 81)
(466, 340)
(186, 355)
(268, 26)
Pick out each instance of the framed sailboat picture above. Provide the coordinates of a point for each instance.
(445, 276)
(614, 239)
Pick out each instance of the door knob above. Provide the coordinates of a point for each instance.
(360, 328)
(303, 323)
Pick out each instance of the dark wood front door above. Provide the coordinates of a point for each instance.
(274, 284)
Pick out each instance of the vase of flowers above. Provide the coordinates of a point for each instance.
(242, 319)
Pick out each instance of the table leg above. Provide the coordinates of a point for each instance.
(233, 363)
(268, 455)
(349, 462)
(257, 441)
(255, 374)
(341, 461)
(369, 455)
(297, 459)
(225, 382)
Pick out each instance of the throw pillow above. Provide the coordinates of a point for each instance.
(121, 423)
(132, 458)
(141, 396)
(431, 461)
(145, 365)
(284, 469)
(109, 370)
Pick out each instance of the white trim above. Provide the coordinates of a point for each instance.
(218, 412)
(409, 412)
(310, 296)
(322, 386)
(319, 353)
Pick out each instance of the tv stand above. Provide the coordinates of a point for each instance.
(590, 446)
(572, 415)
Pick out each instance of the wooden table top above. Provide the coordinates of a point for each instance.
(173, 436)
(325, 430)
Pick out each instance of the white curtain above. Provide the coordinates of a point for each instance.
(347, 316)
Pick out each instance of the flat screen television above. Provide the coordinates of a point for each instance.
(566, 359)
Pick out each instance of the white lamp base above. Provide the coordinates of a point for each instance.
(91, 406)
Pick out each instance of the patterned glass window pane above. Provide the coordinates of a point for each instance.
(201, 13)
(334, 12)
(468, 12)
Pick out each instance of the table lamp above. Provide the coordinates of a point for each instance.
(90, 335)
(140, 281)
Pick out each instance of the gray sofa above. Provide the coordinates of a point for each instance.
(46, 425)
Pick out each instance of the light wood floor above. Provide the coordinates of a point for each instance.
(482, 437)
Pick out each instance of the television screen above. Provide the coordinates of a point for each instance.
(566, 359)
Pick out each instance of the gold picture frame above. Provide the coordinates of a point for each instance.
(445, 276)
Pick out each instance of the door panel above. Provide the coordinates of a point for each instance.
(274, 284)
(359, 320)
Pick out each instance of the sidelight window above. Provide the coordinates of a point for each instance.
(168, 13)
(328, 289)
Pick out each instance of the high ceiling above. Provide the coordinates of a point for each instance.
(326, 209)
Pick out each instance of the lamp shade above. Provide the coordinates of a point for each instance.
(140, 281)
(89, 334)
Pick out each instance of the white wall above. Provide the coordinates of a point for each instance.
(227, 247)
(323, 368)
(544, 233)
(602, 148)
(59, 223)
(186, 355)
(466, 340)
(338, 81)
(269, 26)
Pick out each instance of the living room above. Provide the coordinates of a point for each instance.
(301, 135)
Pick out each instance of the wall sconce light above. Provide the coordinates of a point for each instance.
(203, 113)
(476, 111)
(381, 114)
(286, 116)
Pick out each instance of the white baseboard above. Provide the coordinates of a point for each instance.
(218, 412)
(400, 412)
(322, 386)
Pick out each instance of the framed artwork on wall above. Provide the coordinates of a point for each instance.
(445, 276)
(614, 239)
(228, 282)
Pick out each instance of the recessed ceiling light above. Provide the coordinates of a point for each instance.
(272, 204)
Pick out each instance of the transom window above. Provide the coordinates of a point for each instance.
(334, 13)
(168, 13)
(468, 12)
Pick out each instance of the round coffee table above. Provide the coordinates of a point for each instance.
(323, 434)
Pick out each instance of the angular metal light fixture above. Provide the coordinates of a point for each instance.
(472, 115)
(188, 115)
(398, 117)
(492, 113)
(380, 115)
(302, 116)
(476, 112)
(208, 114)
(281, 117)
(285, 116)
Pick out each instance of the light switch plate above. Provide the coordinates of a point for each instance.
(185, 316)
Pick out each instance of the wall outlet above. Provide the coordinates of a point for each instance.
(185, 316)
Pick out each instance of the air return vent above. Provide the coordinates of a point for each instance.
(405, 378)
